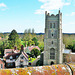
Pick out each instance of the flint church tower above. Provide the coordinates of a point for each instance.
(53, 39)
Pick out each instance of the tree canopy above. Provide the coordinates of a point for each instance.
(14, 39)
(35, 41)
(35, 52)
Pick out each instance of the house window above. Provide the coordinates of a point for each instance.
(1, 65)
(54, 25)
(22, 57)
(50, 25)
(21, 62)
(16, 56)
(52, 53)
(8, 64)
(11, 64)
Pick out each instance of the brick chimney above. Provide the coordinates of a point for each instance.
(21, 48)
(15, 47)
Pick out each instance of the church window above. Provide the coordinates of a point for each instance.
(52, 34)
(52, 53)
(54, 25)
(50, 25)
(52, 42)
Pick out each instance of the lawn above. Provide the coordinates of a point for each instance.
(31, 59)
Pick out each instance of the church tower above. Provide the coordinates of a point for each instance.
(53, 44)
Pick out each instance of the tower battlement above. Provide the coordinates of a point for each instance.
(48, 14)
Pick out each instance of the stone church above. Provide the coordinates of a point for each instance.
(53, 44)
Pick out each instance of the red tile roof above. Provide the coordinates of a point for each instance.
(32, 47)
(60, 69)
(8, 50)
(11, 51)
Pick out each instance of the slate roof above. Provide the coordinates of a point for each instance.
(16, 55)
(67, 51)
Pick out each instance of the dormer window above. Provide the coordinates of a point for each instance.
(11, 57)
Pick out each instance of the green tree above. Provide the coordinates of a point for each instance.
(33, 31)
(30, 42)
(14, 39)
(1, 35)
(29, 30)
(35, 52)
(35, 41)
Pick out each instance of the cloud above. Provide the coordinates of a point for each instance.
(50, 5)
(2, 5)
(72, 14)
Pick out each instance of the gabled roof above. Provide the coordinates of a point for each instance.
(11, 51)
(8, 51)
(25, 55)
(14, 55)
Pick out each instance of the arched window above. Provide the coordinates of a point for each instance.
(52, 53)
(52, 34)
(52, 42)
(54, 25)
(50, 25)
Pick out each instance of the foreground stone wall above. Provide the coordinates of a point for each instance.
(61, 69)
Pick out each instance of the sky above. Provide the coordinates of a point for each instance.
(25, 14)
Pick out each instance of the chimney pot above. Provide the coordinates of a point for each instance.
(22, 48)
(15, 48)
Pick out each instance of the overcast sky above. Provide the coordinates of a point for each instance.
(25, 14)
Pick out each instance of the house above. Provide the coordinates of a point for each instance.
(2, 64)
(29, 49)
(22, 60)
(7, 51)
(16, 59)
